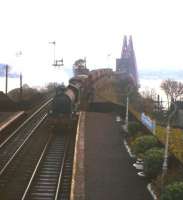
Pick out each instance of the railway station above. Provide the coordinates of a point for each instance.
(77, 142)
(94, 165)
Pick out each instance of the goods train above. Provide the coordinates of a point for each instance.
(69, 100)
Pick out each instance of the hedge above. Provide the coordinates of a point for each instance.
(134, 128)
(153, 161)
(173, 191)
(143, 143)
(175, 141)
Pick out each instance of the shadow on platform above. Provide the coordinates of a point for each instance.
(105, 107)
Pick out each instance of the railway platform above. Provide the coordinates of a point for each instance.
(102, 167)
(7, 118)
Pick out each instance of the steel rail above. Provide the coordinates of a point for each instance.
(66, 179)
(25, 122)
(21, 146)
(36, 168)
(54, 193)
(61, 170)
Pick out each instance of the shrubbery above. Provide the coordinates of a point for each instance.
(153, 160)
(173, 191)
(134, 128)
(143, 143)
(28, 94)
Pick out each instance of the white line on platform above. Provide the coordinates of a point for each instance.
(128, 149)
(78, 178)
(149, 187)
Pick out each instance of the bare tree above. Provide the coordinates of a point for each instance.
(149, 93)
(148, 98)
(52, 86)
(173, 89)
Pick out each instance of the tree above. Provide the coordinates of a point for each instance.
(80, 63)
(149, 93)
(173, 89)
(52, 86)
(126, 88)
(28, 93)
(148, 100)
(25, 86)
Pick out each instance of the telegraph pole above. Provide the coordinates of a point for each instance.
(6, 81)
(18, 54)
(21, 89)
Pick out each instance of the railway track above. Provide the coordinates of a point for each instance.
(41, 172)
(27, 114)
(12, 144)
(16, 174)
(46, 178)
(27, 147)
(32, 117)
(65, 186)
(13, 147)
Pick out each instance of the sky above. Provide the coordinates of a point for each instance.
(88, 28)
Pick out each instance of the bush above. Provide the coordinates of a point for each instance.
(144, 143)
(134, 128)
(173, 191)
(153, 161)
(27, 94)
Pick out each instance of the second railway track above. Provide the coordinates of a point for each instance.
(12, 144)
(16, 173)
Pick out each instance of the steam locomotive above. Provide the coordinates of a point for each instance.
(69, 100)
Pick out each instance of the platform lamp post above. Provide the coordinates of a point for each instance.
(165, 159)
(21, 88)
(127, 109)
(126, 115)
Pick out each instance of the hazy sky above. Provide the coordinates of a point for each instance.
(91, 28)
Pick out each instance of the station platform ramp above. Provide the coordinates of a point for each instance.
(8, 118)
